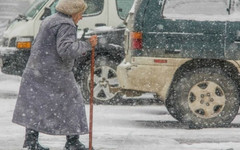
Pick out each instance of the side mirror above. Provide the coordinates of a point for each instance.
(47, 12)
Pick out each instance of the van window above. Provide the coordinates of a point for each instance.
(123, 7)
(196, 7)
(95, 7)
(35, 8)
(53, 7)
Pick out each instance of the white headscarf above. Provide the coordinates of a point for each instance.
(70, 7)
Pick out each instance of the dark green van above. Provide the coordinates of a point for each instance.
(187, 52)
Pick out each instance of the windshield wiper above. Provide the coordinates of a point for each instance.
(21, 17)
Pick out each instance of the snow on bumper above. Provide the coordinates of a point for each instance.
(7, 50)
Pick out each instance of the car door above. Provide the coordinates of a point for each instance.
(232, 50)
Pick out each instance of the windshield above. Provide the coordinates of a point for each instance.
(35, 8)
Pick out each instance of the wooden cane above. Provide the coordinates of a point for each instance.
(91, 98)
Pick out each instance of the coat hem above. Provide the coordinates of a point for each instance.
(49, 133)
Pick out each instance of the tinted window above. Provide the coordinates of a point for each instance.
(196, 7)
(123, 7)
(94, 7)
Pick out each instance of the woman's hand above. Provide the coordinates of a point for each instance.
(93, 40)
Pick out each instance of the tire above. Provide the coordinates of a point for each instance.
(204, 98)
(104, 76)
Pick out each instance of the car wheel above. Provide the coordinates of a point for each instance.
(206, 97)
(105, 77)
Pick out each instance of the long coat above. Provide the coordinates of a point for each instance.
(49, 99)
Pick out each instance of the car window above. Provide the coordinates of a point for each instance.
(195, 7)
(35, 8)
(95, 7)
(123, 7)
(53, 7)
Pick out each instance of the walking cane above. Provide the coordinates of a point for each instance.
(91, 98)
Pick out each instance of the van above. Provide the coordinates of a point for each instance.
(22, 31)
(188, 53)
(105, 17)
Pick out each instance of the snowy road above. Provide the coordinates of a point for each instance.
(121, 128)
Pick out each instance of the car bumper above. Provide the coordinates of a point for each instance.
(137, 78)
(145, 78)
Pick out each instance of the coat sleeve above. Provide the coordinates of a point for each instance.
(68, 47)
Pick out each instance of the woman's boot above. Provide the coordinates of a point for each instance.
(73, 143)
(31, 140)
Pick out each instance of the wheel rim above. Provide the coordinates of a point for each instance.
(104, 78)
(206, 99)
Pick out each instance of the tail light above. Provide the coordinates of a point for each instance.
(136, 39)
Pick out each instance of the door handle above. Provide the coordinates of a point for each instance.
(237, 42)
(100, 24)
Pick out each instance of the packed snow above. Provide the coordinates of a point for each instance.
(140, 127)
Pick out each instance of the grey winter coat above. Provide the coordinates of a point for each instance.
(49, 99)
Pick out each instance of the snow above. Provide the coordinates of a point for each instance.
(7, 50)
(120, 128)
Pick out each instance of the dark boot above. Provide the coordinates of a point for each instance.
(31, 140)
(73, 143)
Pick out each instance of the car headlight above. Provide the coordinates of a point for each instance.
(24, 42)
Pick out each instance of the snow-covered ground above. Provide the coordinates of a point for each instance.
(121, 128)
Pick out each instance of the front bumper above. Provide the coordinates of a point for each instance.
(13, 60)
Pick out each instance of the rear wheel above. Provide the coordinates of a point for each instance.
(105, 77)
(206, 97)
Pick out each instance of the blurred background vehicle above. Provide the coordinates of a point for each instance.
(9, 10)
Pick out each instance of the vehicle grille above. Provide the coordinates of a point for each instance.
(12, 42)
(5, 42)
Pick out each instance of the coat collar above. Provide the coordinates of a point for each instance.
(65, 15)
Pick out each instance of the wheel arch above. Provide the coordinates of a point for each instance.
(228, 67)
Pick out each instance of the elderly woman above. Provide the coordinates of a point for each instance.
(49, 99)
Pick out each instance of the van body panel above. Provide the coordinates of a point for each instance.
(21, 28)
